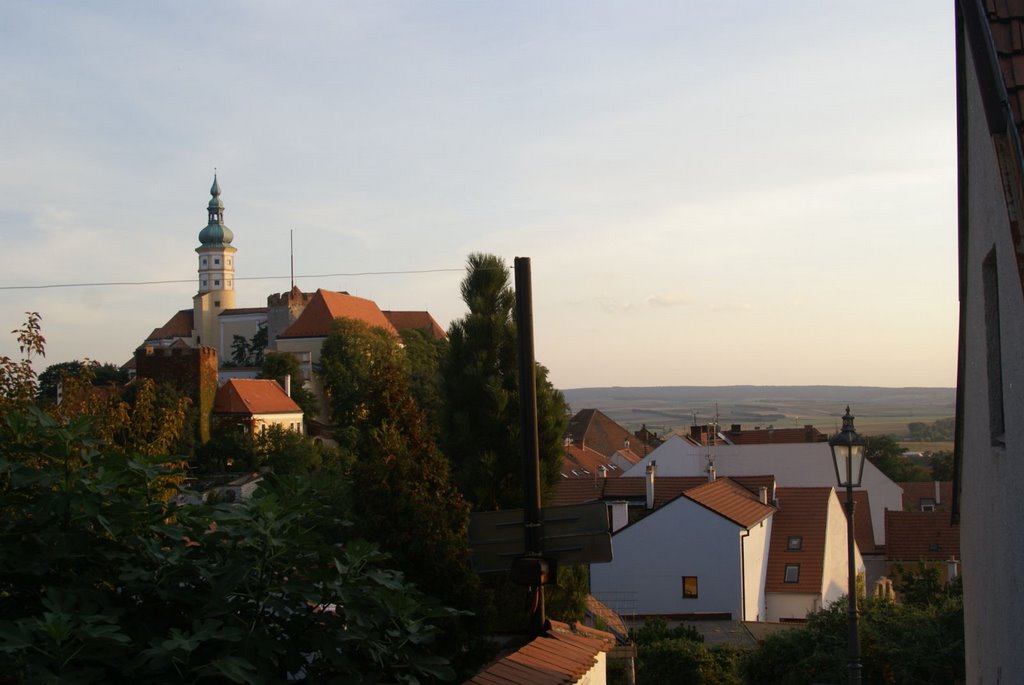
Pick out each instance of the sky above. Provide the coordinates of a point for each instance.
(710, 192)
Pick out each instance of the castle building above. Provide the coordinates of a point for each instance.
(294, 321)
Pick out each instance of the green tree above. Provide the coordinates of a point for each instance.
(278, 365)
(423, 355)
(886, 453)
(403, 496)
(941, 464)
(54, 375)
(105, 582)
(18, 383)
(481, 388)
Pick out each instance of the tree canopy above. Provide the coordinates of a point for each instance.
(481, 389)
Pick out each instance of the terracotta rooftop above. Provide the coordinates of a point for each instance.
(178, 326)
(666, 488)
(592, 428)
(763, 436)
(241, 311)
(596, 609)
(912, 536)
(917, 494)
(561, 656)
(731, 500)
(249, 396)
(584, 462)
(863, 528)
(416, 321)
(803, 513)
(1006, 22)
(326, 306)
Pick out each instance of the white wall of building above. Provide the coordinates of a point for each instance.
(682, 538)
(792, 464)
(755, 562)
(835, 570)
(791, 605)
(992, 516)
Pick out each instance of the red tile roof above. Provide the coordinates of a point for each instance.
(592, 428)
(731, 500)
(326, 306)
(863, 528)
(803, 512)
(915, 494)
(248, 396)
(587, 462)
(416, 321)
(666, 488)
(912, 536)
(178, 326)
(243, 311)
(596, 609)
(774, 436)
(559, 657)
(1006, 21)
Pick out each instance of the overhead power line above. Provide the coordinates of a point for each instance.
(244, 278)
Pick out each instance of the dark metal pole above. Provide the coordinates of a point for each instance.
(528, 428)
(852, 638)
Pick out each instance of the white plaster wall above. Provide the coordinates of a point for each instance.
(992, 517)
(793, 465)
(598, 674)
(791, 605)
(680, 539)
(835, 569)
(755, 561)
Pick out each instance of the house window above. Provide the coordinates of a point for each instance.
(204, 261)
(229, 261)
(216, 282)
(927, 504)
(689, 587)
(795, 543)
(216, 303)
(216, 260)
(933, 547)
(792, 573)
(994, 352)
(204, 282)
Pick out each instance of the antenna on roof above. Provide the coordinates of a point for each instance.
(291, 252)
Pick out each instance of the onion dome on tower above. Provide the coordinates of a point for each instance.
(216, 234)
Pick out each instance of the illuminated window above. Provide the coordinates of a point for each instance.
(689, 587)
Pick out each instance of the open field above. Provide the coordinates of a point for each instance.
(667, 409)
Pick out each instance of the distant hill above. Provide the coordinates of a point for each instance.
(670, 408)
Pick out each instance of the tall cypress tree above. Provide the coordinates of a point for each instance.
(481, 387)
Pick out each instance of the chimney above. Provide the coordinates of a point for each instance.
(938, 496)
(652, 470)
(288, 384)
(762, 494)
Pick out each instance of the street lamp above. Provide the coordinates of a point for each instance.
(848, 458)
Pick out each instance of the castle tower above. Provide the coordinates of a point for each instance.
(216, 274)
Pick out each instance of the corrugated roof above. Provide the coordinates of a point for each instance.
(247, 396)
(912, 536)
(559, 657)
(326, 306)
(803, 513)
(178, 326)
(731, 500)
(415, 321)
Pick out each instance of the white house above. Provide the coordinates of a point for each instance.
(793, 464)
(702, 553)
(990, 402)
(807, 561)
(257, 404)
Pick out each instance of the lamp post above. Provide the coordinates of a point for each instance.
(848, 458)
